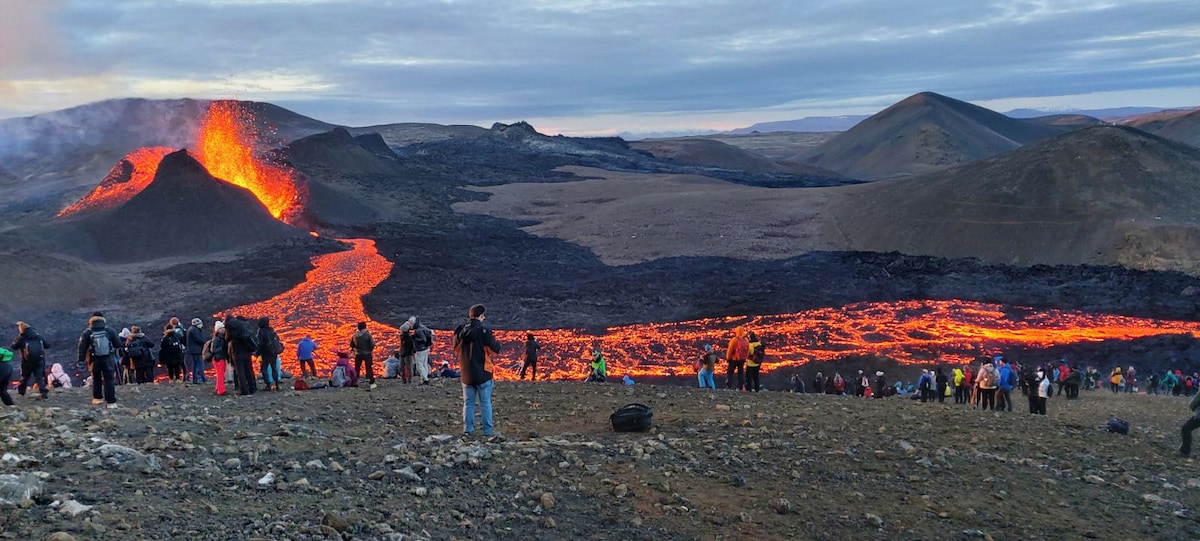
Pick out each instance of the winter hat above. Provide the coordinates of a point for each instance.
(880, 373)
(218, 325)
(707, 347)
(196, 321)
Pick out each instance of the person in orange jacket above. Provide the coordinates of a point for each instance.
(735, 358)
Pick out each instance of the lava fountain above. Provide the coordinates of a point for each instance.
(227, 149)
(126, 179)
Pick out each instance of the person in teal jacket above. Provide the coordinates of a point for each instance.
(6, 376)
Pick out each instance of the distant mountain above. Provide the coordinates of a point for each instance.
(1103, 114)
(1101, 195)
(408, 133)
(926, 132)
(1181, 125)
(806, 124)
(708, 152)
(182, 202)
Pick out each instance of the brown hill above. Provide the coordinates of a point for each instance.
(1099, 195)
(342, 171)
(1065, 121)
(711, 153)
(925, 132)
(183, 212)
(1182, 126)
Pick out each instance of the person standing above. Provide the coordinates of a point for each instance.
(925, 386)
(1043, 391)
(986, 384)
(753, 362)
(98, 352)
(531, 352)
(364, 351)
(242, 346)
(1006, 377)
(735, 358)
(880, 383)
(1115, 380)
(475, 344)
(408, 353)
(6, 375)
(218, 348)
(304, 353)
(940, 380)
(193, 350)
(33, 360)
(269, 348)
(1191, 424)
(170, 354)
(708, 365)
(422, 342)
(140, 352)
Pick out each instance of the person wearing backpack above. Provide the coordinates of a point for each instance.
(364, 351)
(1006, 380)
(98, 352)
(735, 359)
(475, 344)
(217, 350)
(33, 360)
(753, 361)
(422, 339)
(342, 374)
(242, 345)
(140, 351)
(170, 354)
(986, 384)
(269, 348)
(193, 351)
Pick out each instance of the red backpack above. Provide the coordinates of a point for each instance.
(741, 349)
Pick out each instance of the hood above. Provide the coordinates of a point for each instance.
(29, 333)
(264, 323)
(137, 335)
(97, 322)
(56, 369)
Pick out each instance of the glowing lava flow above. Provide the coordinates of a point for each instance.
(328, 304)
(227, 150)
(126, 179)
(910, 332)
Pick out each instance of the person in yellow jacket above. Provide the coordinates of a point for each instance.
(753, 362)
(960, 386)
(1115, 379)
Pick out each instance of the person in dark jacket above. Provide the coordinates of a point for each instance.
(99, 355)
(242, 345)
(531, 352)
(268, 360)
(880, 383)
(170, 354)
(140, 350)
(422, 339)
(193, 350)
(475, 344)
(408, 353)
(219, 350)
(364, 352)
(942, 383)
(32, 348)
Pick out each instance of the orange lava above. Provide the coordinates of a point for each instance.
(227, 149)
(328, 304)
(126, 179)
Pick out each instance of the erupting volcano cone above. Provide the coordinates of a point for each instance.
(184, 211)
(126, 179)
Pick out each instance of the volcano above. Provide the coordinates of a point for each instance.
(926, 132)
(1182, 126)
(183, 211)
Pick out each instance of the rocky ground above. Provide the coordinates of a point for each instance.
(176, 461)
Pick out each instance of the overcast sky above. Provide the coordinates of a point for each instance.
(599, 66)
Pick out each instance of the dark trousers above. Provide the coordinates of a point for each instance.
(33, 372)
(1186, 434)
(987, 398)
(174, 370)
(1004, 399)
(244, 376)
(730, 369)
(1041, 406)
(941, 392)
(752, 378)
(365, 358)
(961, 394)
(311, 366)
(104, 379)
(532, 365)
(6, 376)
(1033, 402)
(143, 373)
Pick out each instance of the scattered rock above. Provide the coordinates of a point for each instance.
(547, 501)
(233, 464)
(15, 489)
(620, 490)
(737, 481)
(335, 521)
(376, 475)
(874, 520)
(266, 480)
(119, 457)
(60, 536)
(73, 508)
(783, 506)
(336, 467)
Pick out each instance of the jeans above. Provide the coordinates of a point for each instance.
(483, 392)
(6, 376)
(1004, 399)
(104, 379)
(706, 379)
(269, 365)
(33, 373)
(196, 362)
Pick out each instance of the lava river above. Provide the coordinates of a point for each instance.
(328, 303)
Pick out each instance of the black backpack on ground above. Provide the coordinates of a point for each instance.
(632, 418)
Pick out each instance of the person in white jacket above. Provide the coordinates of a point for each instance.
(58, 378)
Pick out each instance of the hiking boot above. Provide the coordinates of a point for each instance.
(112, 405)
(97, 401)
(372, 386)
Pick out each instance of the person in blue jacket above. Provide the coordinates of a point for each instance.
(1005, 385)
(304, 353)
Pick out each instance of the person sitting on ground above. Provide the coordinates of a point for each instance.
(391, 366)
(59, 378)
(343, 374)
(599, 368)
(448, 372)
(796, 384)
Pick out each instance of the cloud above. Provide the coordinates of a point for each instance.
(478, 61)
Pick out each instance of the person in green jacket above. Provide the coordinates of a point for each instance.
(6, 376)
(599, 371)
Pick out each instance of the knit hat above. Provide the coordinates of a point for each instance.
(196, 321)
(218, 325)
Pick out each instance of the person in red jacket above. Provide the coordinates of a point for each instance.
(735, 358)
